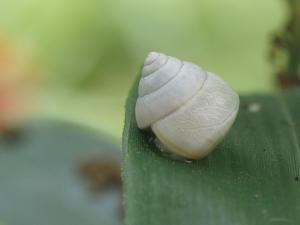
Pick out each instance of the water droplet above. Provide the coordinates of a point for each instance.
(254, 107)
(188, 161)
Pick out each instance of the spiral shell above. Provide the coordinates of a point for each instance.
(189, 109)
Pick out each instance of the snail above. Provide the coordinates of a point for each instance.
(190, 110)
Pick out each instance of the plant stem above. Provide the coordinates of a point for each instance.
(285, 52)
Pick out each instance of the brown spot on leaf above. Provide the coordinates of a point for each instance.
(100, 173)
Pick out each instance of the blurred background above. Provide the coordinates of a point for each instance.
(84, 55)
(74, 62)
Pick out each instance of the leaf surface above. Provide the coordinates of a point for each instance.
(253, 177)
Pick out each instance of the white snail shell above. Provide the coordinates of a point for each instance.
(189, 109)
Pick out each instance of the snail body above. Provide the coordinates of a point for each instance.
(189, 109)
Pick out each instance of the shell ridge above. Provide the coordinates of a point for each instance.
(160, 66)
(200, 88)
(149, 63)
(216, 124)
(170, 79)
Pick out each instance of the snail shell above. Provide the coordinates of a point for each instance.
(190, 110)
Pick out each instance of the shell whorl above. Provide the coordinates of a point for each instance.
(158, 72)
(166, 84)
(189, 110)
(195, 129)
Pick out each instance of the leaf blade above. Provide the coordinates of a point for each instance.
(249, 179)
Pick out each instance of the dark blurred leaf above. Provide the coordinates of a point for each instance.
(40, 181)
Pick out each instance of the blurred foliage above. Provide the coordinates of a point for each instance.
(41, 181)
(285, 53)
(90, 51)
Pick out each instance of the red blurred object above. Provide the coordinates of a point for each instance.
(16, 76)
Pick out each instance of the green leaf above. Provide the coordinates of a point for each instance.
(253, 177)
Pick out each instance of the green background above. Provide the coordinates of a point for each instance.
(90, 51)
